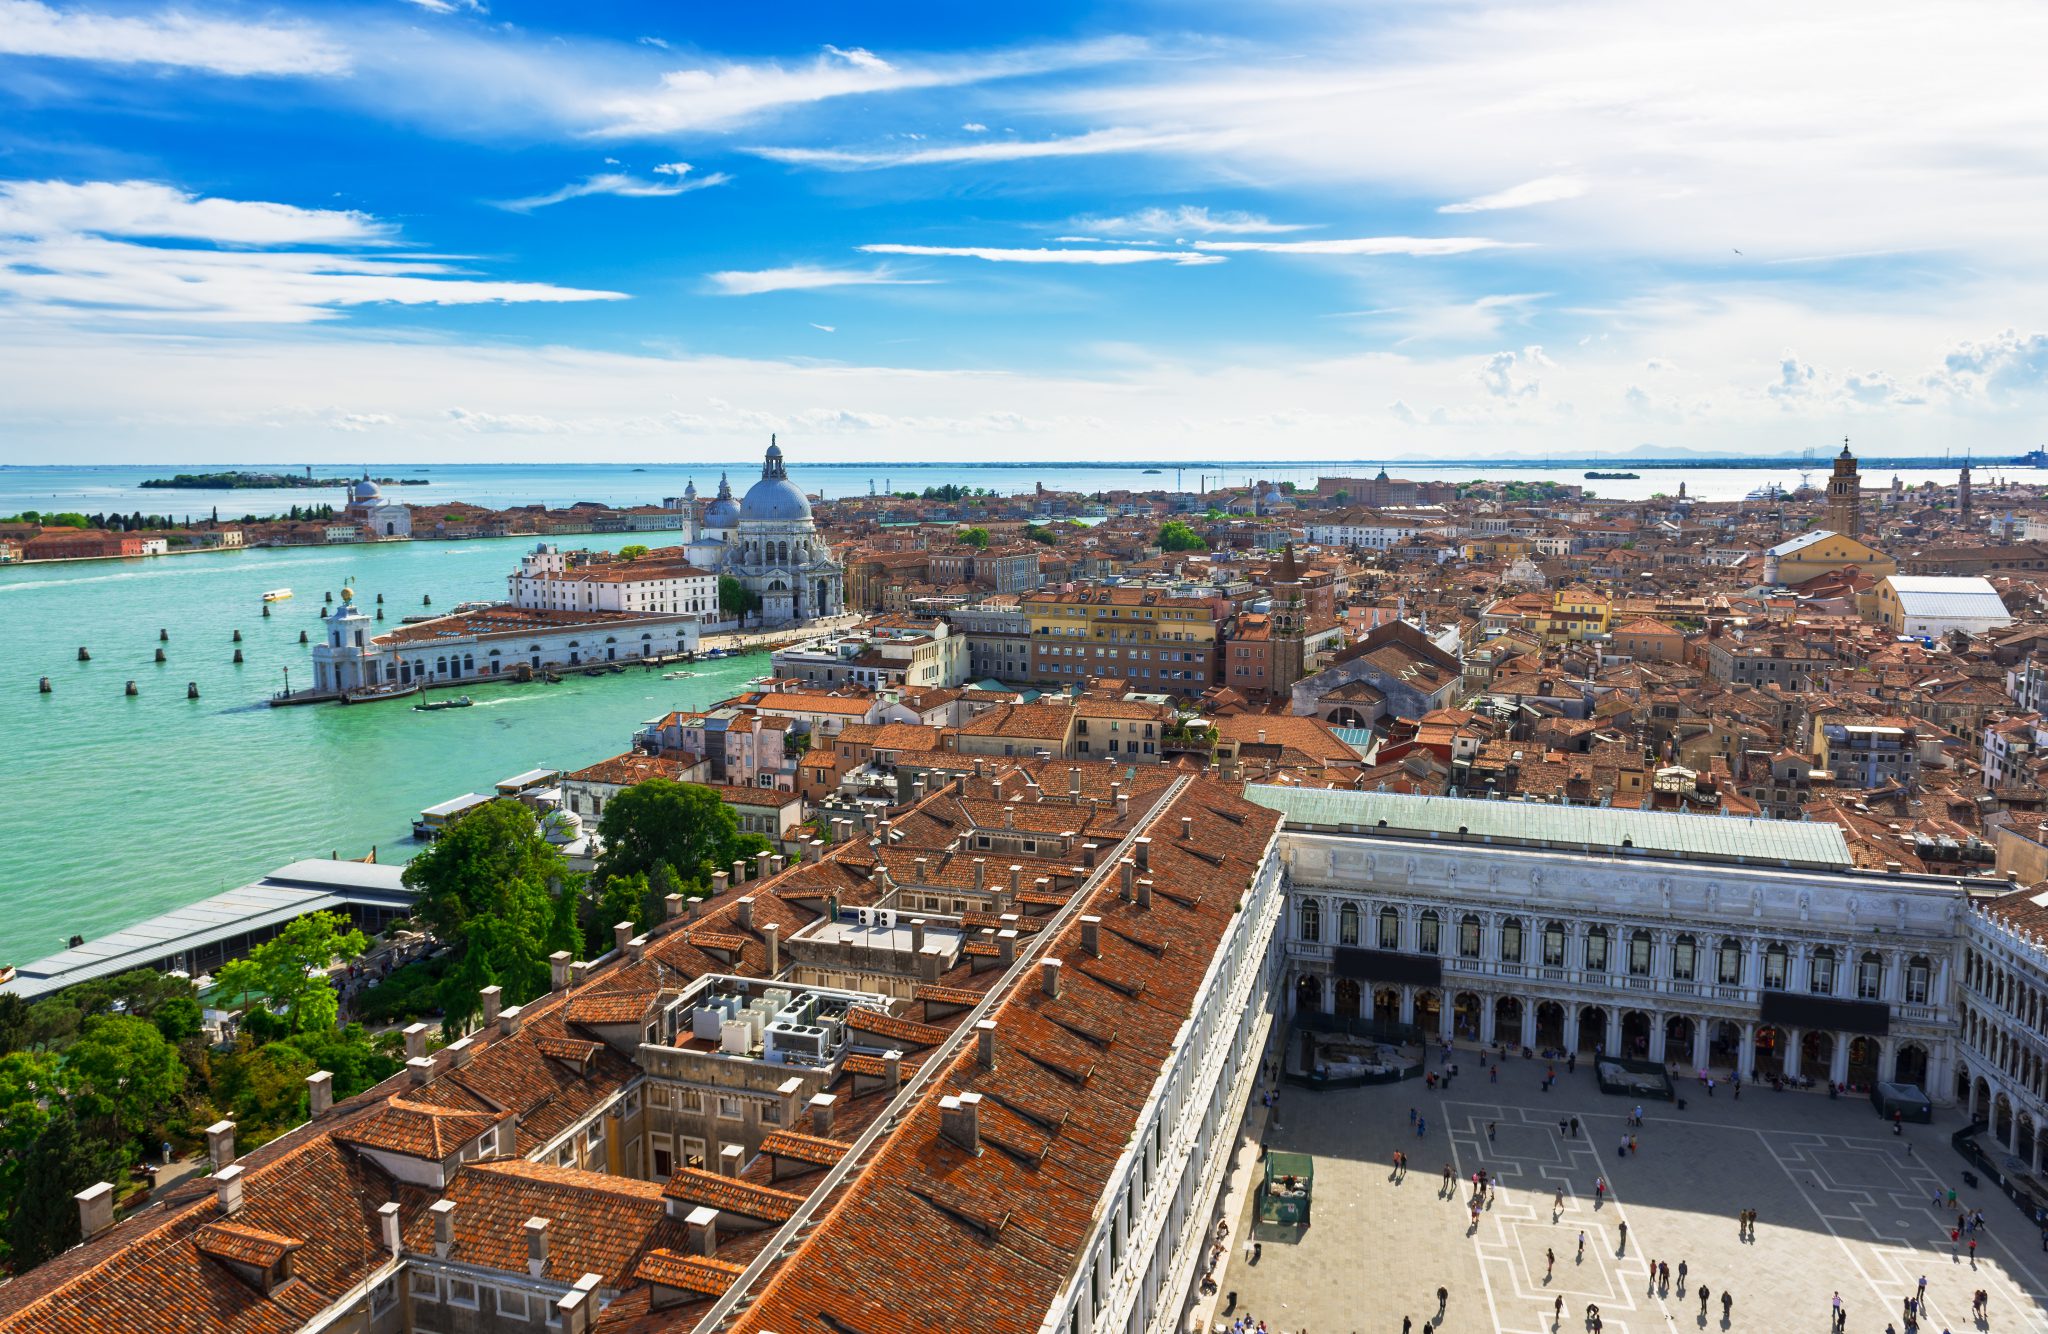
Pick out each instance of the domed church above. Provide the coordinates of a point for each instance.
(768, 540)
(369, 508)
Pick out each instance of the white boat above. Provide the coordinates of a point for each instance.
(675, 676)
(1769, 491)
(277, 595)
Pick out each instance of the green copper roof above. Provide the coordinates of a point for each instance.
(1577, 828)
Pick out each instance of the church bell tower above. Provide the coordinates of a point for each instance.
(1845, 496)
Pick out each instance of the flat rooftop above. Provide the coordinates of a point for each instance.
(1800, 843)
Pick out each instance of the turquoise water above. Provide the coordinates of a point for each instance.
(126, 807)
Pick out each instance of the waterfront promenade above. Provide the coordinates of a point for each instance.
(144, 804)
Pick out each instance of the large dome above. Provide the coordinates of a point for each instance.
(775, 500)
(364, 490)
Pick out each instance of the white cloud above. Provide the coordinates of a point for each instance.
(975, 127)
(1002, 150)
(1999, 368)
(1187, 220)
(618, 183)
(1504, 374)
(804, 278)
(1546, 190)
(168, 37)
(1000, 255)
(152, 209)
(89, 252)
(1365, 245)
(722, 94)
(1795, 379)
(825, 328)
(451, 6)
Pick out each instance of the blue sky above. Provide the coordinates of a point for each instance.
(432, 229)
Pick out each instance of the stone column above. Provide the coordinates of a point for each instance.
(1571, 1026)
(1658, 1036)
(1529, 1025)
(1612, 1042)
(1486, 1004)
(1838, 1068)
(1790, 1064)
(1407, 1005)
(1745, 1055)
(1699, 1042)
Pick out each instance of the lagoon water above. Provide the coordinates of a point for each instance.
(122, 808)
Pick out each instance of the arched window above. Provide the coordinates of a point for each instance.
(1511, 940)
(1347, 924)
(1684, 958)
(1870, 976)
(1429, 933)
(1553, 944)
(1730, 965)
(1917, 972)
(1775, 959)
(1596, 950)
(1311, 920)
(1468, 937)
(1639, 952)
(1820, 972)
(1390, 929)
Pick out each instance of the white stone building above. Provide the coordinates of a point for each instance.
(660, 581)
(1734, 945)
(770, 542)
(370, 510)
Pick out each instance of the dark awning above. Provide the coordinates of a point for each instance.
(1793, 1010)
(1422, 970)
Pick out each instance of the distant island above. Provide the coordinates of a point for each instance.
(261, 481)
(1612, 476)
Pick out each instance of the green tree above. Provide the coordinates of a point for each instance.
(121, 1075)
(973, 537)
(735, 599)
(1041, 533)
(263, 1089)
(179, 1018)
(623, 899)
(1176, 535)
(289, 971)
(491, 861)
(680, 824)
(632, 551)
(349, 1055)
(61, 1160)
(139, 991)
(14, 1025)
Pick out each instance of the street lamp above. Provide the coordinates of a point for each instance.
(287, 681)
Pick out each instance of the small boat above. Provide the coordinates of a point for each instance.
(432, 706)
(615, 668)
(593, 671)
(550, 676)
(675, 676)
(277, 595)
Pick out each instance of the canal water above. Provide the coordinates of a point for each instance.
(124, 807)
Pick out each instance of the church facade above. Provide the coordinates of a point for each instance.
(769, 541)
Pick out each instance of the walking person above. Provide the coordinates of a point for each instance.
(1489, 1132)
(1549, 1263)
(1624, 1239)
(1703, 1301)
(1727, 1305)
(1681, 1276)
(1582, 1246)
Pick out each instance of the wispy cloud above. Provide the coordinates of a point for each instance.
(1544, 190)
(152, 209)
(1366, 245)
(92, 252)
(1187, 220)
(621, 184)
(167, 37)
(451, 6)
(1000, 255)
(804, 278)
(994, 150)
(826, 328)
(722, 94)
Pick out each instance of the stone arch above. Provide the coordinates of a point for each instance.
(1347, 924)
(1768, 1051)
(1865, 1054)
(1507, 1020)
(2001, 1118)
(1592, 1027)
(1635, 1035)
(1347, 998)
(1980, 1100)
(1465, 1008)
(1308, 993)
(1678, 1033)
(1310, 919)
(1817, 1053)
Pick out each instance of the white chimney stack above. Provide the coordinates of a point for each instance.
(444, 1226)
(1049, 976)
(319, 1093)
(95, 1209)
(536, 1246)
(220, 1143)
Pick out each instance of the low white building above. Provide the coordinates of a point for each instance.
(663, 581)
(482, 645)
(887, 651)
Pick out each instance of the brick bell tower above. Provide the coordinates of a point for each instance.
(1845, 496)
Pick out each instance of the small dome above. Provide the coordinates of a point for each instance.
(364, 490)
(723, 512)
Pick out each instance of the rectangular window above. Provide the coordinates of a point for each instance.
(1596, 953)
(1869, 979)
(1468, 939)
(1429, 942)
(1511, 942)
(424, 1285)
(1821, 975)
(693, 1100)
(729, 1108)
(1553, 947)
(1683, 959)
(1639, 956)
(693, 1151)
(1390, 931)
(1916, 984)
(1731, 965)
(462, 1292)
(664, 1156)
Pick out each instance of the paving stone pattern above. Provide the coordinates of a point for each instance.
(1843, 1205)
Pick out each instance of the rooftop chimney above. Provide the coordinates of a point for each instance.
(980, 872)
(415, 1040)
(772, 933)
(892, 1069)
(821, 1114)
(1145, 891)
(1016, 879)
(776, 863)
(422, 1068)
(227, 1188)
(580, 971)
(1049, 976)
(220, 1143)
(1006, 944)
(995, 787)
(460, 1050)
(701, 1230)
(536, 1246)
(444, 1226)
(621, 933)
(1187, 826)
(95, 1209)
(1091, 936)
(1128, 870)
(558, 970)
(739, 871)
(492, 998)
(719, 880)
(672, 907)
(985, 1043)
(730, 1159)
(761, 865)
(1144, 845)
(923, 866)
(319, 1093)
(917, 935)
(960, 1120)
(636, 948)
(508, 1021)
(1088, 851)
(746, 912)
(387, 1226)
(1123, 802)
(1073, 781)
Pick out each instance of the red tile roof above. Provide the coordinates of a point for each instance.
(694, 1185)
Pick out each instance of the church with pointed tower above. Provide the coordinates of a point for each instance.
(769, 541)
(1845, 496)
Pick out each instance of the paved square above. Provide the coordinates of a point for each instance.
(1843, 1206)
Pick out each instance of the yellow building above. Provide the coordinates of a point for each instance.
(1823, 551)
(1155, 642)
(1576, 613)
